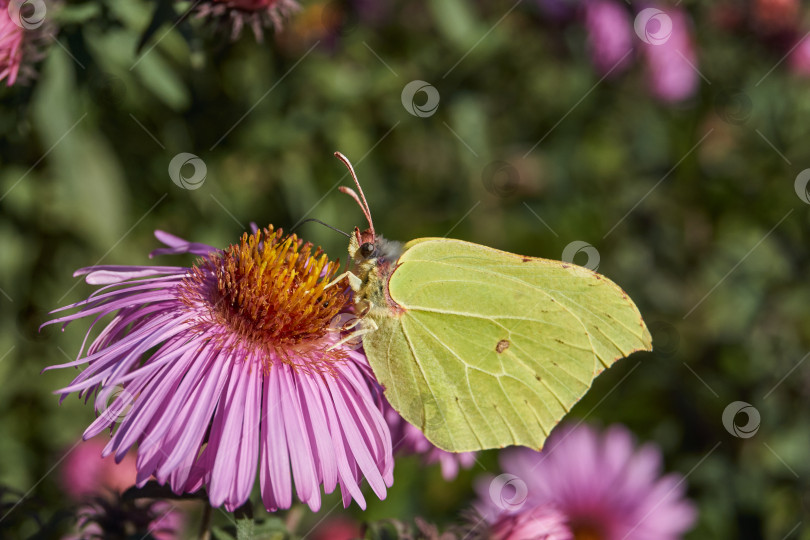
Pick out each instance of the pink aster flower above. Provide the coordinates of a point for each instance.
(11, 45)
(670, 55)
(610, 35)
(409, 440)
(84, 472)
(23, 30)
(257, 14)
(606, 488)
(242, 374)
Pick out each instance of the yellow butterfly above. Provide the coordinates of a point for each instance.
(481, 348)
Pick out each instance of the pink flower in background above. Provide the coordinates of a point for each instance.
(408, 440)
(610, 35)
(11, 45)
(799, 59)
(84, 472)
(669, 51)
(337, 528)
(772, 16)
(538, 523)
(605, 487)
(257, 14)
(242, 375)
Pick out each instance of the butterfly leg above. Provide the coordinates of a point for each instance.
(368, 326)
(354, 282)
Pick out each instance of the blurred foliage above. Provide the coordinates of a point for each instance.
(710, 238)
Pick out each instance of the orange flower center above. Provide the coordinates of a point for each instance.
(270, 291)
(586, 531)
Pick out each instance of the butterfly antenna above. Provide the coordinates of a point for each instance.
(361, 200)
(347, 235)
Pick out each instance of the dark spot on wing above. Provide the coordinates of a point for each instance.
(502, 346)
(526, 259)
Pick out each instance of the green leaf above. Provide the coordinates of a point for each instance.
(244, 522)
(88, 191)
(272, 528)
(164, 13)
(222, 533)
(162, 79)
(77, 13)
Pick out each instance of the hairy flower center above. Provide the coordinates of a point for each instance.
(271, 291)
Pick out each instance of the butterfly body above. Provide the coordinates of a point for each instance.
(374, 260)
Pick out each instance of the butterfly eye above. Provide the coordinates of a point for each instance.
(367, 250)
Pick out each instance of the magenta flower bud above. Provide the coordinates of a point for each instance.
(610, 35)
(668, 48)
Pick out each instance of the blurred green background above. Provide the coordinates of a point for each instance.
(714, 251)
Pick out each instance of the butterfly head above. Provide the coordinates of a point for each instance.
(366, 247)
(362, 246)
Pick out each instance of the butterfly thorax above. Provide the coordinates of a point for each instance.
(374, 268)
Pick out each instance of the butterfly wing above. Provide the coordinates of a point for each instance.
(491, 348)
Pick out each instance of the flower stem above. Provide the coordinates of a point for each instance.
(293, 518)
(205, 525)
